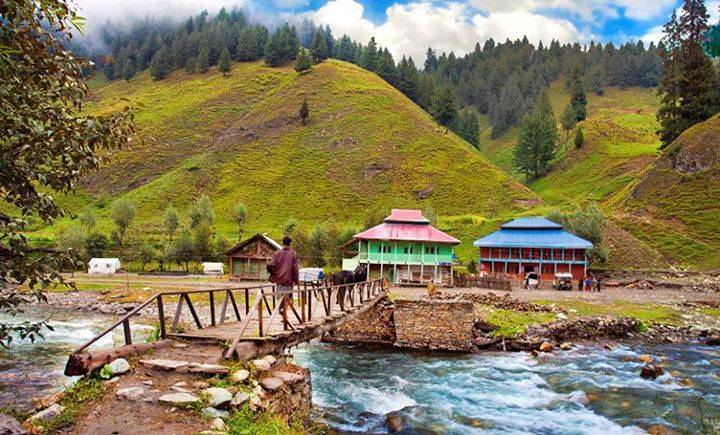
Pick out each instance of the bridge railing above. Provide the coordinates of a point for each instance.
(232, 297)
(299, 306)
(247, 304)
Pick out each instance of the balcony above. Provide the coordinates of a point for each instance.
(397, 258)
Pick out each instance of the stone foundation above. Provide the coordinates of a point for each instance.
(412, 324)
(294, 399)
(375, 326)
(434, 325)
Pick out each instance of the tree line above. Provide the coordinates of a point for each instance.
(501, 80)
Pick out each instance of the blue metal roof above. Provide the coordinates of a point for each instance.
(532, 233)
(532, 222)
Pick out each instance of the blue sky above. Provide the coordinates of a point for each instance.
(409, 27)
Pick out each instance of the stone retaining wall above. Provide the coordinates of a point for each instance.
(434, 325)
(375, 326)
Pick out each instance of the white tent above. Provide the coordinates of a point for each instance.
(212, 268)
(103, 265)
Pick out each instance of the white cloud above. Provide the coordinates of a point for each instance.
(413, 27)
(345, 17)
(587, 10)
(655, 34)
(503, 25)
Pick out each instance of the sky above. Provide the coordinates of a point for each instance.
(408, 27)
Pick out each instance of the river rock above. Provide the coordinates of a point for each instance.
(566, 346)
(164, 364)
(119, 366)
(178, 399)
(289, 378)
(647, 359)
(200, 384)
(272, 383)
(218, 396)
(239, 398)
(659, 429)
(394, 422)
(208, 369)
(240, 376)
(651, 372)
(46, 414)
(256, 403)
(10, 426)
(211, 412)
(130, 393)
(261, 365)
(219, 425)
(270, 359)
(546, 346)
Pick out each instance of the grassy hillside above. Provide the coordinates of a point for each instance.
(239, 138)
(675, 204)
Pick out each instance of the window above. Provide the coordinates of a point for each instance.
(430, 250)
(408, 250)
(384, 249)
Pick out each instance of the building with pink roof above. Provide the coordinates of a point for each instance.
(404, 248)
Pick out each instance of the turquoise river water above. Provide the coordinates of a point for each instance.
(589, 390)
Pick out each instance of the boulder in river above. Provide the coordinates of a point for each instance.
(566, 346)
(651, 372)
(659, 429)
(394, 422)
(546, 346)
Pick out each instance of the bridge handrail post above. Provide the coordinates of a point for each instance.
(161, 316)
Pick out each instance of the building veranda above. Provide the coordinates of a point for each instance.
(404, 248)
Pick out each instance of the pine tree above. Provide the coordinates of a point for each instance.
(304, 111)
(203, 60)
(537, 139)
(468, 127)
(569, 118)
(689, 85)
(444, 106)
(224, 62)
(386, 67)
(129, 69)
(408, 78)
(303, 63)
(369, 57)
(319, 48)
(160, 66)
(578, 99)
(579, 138)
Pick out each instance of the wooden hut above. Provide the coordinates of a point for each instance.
(248, 259)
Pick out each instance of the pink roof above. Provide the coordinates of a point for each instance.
(406, 225)
(406, 216)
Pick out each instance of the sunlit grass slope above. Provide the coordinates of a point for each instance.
(675, 204)
(239, 138)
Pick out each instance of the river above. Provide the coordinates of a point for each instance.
(587, 390)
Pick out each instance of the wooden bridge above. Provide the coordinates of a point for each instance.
(251, 321)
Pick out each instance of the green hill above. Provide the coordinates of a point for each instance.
(239, 138)
(674, 206)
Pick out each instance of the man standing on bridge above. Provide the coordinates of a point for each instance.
(284, 269)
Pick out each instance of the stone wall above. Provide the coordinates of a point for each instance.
(434, 325)
(375, 326)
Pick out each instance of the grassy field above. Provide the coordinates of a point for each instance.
(239, 138)
(675, 205)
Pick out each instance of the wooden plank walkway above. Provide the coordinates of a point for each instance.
(247, 315)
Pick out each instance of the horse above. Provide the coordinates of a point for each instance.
(346, 278)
